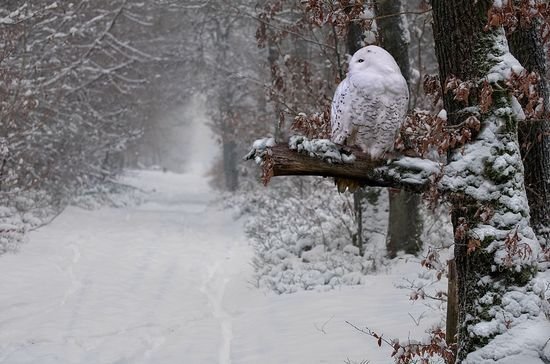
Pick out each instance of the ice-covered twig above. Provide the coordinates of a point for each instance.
(321, 157)
(260, 148)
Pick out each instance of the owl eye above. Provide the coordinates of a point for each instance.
(360, 60)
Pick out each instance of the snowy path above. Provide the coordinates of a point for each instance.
(167, 282)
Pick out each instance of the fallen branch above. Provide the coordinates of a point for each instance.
(321, 157)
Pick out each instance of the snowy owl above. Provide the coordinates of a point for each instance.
(369, 105)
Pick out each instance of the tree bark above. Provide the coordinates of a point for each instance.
(392, 29)
(452, 303)
(405, 223)
(455, 40)
(488, 270)
(411, 174)
(534, 135)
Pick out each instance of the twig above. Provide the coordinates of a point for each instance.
(322, 328)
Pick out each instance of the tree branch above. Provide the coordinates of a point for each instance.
(321, 157)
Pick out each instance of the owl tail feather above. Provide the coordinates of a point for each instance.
(343, 183)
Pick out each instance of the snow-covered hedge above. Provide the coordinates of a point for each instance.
(12, 229)
(302, 230)
(32, 209)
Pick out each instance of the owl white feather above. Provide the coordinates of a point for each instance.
(369, 105)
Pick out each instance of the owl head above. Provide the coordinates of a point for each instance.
(372, 57)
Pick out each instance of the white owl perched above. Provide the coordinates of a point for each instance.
(369, 105)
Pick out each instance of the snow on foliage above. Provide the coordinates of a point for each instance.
(21, 213)
(302, 231)
(32, 209)
(415, 170)
(320, 148)
(12, 229)
(14, 16)
(259, 148)
(262, 144)
(67, 101)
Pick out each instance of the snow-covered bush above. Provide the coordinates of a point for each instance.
(12, 229)
(21, 212)
(28, 210)
(303, 233)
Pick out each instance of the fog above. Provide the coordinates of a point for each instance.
(202, 148)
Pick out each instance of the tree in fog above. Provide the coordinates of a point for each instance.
(79, 73)
(68, 78)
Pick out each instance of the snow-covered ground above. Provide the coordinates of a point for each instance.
(168, 282)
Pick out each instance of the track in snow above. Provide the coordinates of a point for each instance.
(167, 282)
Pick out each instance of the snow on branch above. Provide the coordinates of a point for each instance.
(321, 157)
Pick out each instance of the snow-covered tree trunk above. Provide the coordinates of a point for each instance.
(534, 135)
(405, 224)
(496, 250)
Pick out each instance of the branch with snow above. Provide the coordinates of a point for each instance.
(321, 157)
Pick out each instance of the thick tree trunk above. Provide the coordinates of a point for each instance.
(452, 304)
(490, 270)
(534, 135)
(405, 224)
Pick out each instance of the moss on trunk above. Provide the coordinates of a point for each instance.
(486, 175)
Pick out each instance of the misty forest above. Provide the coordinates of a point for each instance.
(274, 181)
